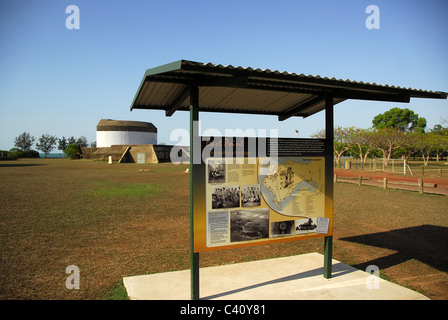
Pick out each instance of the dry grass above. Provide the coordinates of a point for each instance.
(116, 220)
(402, 232)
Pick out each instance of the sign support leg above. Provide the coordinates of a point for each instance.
(194, 256)
(329, 173)
(328, 252)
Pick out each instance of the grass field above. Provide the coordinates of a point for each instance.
(121, 220)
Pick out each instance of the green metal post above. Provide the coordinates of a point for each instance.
(328, 253)
(194, 256)
(329, 173)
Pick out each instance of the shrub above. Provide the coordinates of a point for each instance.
(4, 155)
(73, 151)
(16, 153)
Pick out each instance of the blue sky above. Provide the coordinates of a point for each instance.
(62, 82)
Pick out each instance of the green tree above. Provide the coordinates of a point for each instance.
(441, 137)
(73, 151)
(439, 129)
(439, 144)
(82, 141)
(360, 141)
(430, 143)
(24, 141)
(444, 144)
(62, 144)
(404, 120)
(409, 145)
(387, 141)
(340, 142)
(425, 145)
(46, 143)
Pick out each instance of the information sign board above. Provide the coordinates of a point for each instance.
(251, 191)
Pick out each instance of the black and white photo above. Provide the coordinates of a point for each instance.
(226, 197)
(249, 224)
(250, 195)
(282, 228)
(216, 171)
(307, 225)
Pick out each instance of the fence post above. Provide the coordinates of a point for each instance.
(335, 178)
(420, 186)
(384, 183)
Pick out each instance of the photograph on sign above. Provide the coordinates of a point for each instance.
(308, 225)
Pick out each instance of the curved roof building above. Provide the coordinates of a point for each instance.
(118, 132)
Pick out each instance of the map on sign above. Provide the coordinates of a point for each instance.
(294, 186)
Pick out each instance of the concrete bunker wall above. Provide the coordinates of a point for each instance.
(134, 153)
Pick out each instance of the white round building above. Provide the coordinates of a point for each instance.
(118, 132)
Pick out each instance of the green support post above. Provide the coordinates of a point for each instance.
(194, 256)
(328, 253)
(329, 174)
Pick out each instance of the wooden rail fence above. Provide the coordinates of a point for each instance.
(419, 184)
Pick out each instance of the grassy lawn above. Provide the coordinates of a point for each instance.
(121, 220)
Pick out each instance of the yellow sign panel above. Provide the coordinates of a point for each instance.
(257, 200)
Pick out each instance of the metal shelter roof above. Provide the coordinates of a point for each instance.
(246, 90)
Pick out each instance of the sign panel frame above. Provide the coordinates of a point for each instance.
(255, 191)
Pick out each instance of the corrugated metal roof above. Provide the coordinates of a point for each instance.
(256, 91)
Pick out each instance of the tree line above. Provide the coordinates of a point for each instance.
(46, 143)
(398, 133)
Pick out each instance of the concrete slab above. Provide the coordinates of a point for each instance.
(288, 278)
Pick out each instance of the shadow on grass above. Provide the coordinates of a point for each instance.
(425, 243)
(15, 165)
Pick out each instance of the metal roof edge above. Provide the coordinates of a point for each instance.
(168, 67)
(227, 75)
(172, 66)
(138, 92)
(316, 79)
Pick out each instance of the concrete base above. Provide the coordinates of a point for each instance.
(289, 278)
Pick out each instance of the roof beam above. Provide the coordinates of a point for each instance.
(287, 86)
(328, 91)
(363, 95)
(299, 108)
(183, 94)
